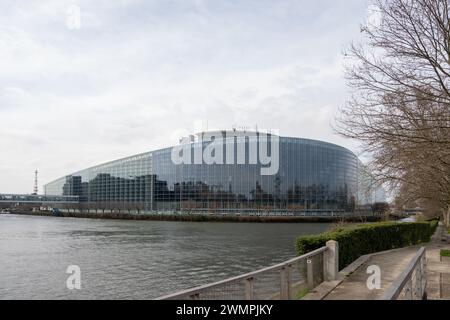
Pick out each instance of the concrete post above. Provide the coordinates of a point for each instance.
(249, 290)
(309, 274)
(285, 289)
(331, 261)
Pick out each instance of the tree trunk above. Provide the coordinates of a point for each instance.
(447, 219)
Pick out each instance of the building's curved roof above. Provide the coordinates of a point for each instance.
(228, 134)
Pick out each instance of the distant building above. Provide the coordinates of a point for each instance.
(310, 176)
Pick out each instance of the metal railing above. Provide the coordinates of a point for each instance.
(287, 280)
(412, 282)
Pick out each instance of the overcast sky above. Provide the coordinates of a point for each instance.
(132, 76)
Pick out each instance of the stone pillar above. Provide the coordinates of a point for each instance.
(331, 261)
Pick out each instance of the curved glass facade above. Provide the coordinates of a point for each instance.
(312, 176)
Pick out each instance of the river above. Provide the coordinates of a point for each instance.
(125, 259)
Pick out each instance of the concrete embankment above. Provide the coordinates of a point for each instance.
(194, 217)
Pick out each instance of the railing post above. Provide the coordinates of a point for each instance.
(331, 261)
(249, 290)
(289, 281)
(309, 274)
(418, 288)
(285, 285)
(195, 296)
(408, 290)
(423, 262)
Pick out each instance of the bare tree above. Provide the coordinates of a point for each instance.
(400, 108)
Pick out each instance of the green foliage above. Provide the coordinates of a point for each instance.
(445, 253)
(301, 293)
(369, 238)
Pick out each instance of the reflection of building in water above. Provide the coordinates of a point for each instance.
(312, 176)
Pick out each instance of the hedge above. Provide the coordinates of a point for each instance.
(356, 241)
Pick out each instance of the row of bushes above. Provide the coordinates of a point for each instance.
(356, 241)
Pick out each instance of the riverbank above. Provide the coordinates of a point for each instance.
(190, 217)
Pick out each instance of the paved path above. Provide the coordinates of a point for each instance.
(438, 272)
(391, 263)
(352, 285)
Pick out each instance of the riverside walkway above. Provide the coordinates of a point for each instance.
(416, 272)
(352, 283)
(438, 273)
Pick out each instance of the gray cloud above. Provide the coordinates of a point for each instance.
(137, 73)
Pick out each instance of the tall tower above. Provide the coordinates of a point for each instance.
(35, 189)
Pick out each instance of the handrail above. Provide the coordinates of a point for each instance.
(279, 266)
(402, 280)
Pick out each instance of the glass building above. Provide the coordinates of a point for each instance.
(312, 176)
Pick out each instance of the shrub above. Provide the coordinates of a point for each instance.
(445, 253)
(369, 238)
